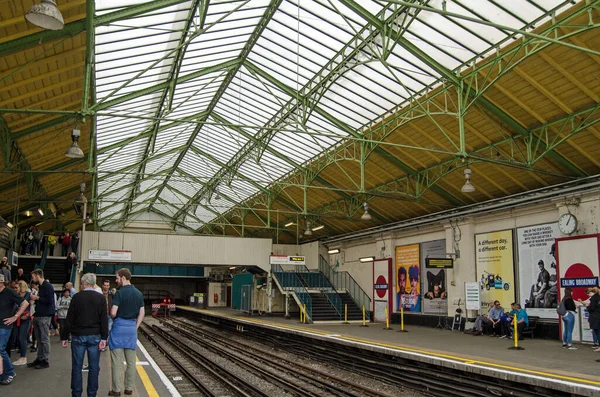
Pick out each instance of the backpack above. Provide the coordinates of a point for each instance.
(561, 309)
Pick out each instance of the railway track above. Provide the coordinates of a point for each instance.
(300, 380)
(385, 368)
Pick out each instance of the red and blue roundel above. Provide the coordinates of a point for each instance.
(579, 277)
(381, 286)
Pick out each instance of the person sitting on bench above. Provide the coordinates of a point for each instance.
(492, 318)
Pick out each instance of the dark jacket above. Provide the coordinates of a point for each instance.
(45, 306)
(87, 315)
(594, 310)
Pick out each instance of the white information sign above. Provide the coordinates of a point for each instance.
(286, 260)
(473, 296)
(109, 255)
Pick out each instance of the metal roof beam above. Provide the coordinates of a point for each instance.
(451, 76)
(76, 27)
(260, 27)
(163, 106)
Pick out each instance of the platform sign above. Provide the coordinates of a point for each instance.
(408, 273)
(537, 269)
(434, 279)
(382, 288)
(578, 267)
(287, 260)
(495, 266)
(110, 255)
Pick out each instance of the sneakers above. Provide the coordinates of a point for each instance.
(42, 364)
(504, 337)
(564, 346)
(114, 393)
(33, 363)
(571, 348)
(21, 361)
(8, 380)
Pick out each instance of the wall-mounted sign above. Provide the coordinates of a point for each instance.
(439, 263)
(109, 255)
(286, 260)
(473, 297)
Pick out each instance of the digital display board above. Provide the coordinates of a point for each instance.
(439, 263)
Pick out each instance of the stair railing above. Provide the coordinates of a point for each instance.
(343, 281)
(315, 279)
(289, 281)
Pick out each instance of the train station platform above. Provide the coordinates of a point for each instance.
(543, 363)
(56, 380)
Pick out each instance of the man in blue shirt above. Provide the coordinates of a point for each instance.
(522, 319)
(491, 318)
(128, 313)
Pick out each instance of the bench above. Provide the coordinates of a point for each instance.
(530, 329)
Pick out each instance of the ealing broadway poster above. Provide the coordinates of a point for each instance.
(538, 289)
(433, 280)
(495, 266)
(408, 274)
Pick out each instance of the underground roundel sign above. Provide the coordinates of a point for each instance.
(381, 286)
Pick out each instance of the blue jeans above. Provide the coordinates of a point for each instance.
(79, 345)
(8, 368)
(23, 333)
(568, 325)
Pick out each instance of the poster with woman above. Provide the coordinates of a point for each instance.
(433, 280)
(408, 282)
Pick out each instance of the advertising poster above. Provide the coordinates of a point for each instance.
(408, 274)
(434, 280)
(495, 266)
(538, 290)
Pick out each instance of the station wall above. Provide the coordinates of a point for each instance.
(175, 249)
(460, 236)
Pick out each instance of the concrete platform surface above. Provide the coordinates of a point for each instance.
(541, 361)
(56, 380)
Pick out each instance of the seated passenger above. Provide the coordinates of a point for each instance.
(522, 321)
(491, 318)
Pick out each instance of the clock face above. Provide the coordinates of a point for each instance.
(567, 223)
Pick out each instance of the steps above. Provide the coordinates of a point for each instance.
(53, 269)
(354, 312)
(322, 309)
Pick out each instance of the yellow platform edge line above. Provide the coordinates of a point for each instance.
(146, 380)
(464, 360)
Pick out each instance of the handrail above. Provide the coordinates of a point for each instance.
(290, 281)
(343, 281)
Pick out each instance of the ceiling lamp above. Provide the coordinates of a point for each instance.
(467, 187)
(74, 151)
(366, 216)
(289, 224)
(81, 198)
(40, 212)
(308, 231)
(333, 251)
(366, 259)
(314, 229)
(46, 15)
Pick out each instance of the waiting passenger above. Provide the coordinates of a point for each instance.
(522, 321)
(589, 292)
(594, 310)
(567, 310)
(87, 324)
(491, 318)
(128, 313)
(9, 299)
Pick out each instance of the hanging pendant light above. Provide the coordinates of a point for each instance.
(468, 186)
(366, 216)
(46, 15)
(74, 151)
